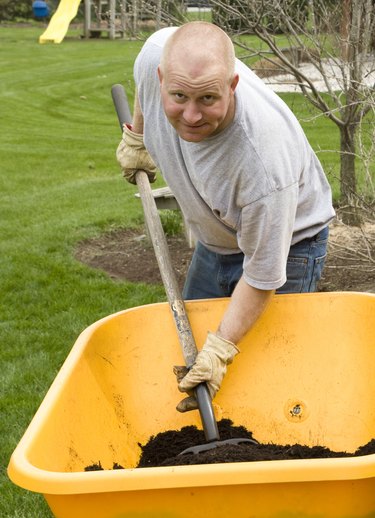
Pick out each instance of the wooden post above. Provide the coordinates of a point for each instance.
(111, 21)
(158, 15)
(123, 17)
(135, 17)
(99, 14)
(87, 22)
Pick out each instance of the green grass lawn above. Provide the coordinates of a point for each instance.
(60, 183)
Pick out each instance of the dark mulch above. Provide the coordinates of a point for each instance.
(165, 449)
(127, 254)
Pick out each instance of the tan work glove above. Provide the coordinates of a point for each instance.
(210, 366)
(133, 156)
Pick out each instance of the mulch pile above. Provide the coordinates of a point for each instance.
(164, 449)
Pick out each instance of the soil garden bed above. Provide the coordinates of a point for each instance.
(127, 254)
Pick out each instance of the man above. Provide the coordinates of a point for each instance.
(249, 185)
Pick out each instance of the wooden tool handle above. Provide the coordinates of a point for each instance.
(176, 303)
(161, 249)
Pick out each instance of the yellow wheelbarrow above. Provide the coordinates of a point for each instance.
(306, 375)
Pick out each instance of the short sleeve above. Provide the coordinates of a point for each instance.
(265, 235)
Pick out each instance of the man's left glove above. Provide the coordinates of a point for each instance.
(210, 366)
(133, 156)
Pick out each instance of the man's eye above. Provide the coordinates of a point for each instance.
(178, 96)
(208, 98)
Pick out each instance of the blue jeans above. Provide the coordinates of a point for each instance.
(213, 275)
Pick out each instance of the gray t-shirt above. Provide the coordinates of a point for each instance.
(256, 187)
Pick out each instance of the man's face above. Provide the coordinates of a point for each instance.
(199, 102)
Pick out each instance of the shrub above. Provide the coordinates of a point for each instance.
(10, 10)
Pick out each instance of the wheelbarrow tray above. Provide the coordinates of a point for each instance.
(305, 375)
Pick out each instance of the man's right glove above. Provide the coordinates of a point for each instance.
(133, 156)
(210, 366)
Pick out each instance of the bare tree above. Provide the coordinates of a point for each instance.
(337, 39)
(146, 15)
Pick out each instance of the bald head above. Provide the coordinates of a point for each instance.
(198, 81)
(196, 45)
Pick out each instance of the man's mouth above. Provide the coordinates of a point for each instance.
(195, 126)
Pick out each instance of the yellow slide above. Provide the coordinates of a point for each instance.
(59, 23)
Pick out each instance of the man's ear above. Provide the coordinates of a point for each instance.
(160, 74)
(234, 82)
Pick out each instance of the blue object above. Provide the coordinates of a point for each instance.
(40, 9)
(213, 275)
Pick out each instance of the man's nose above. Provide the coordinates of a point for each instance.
(192, 113)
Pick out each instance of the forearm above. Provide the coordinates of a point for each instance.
(245, 307)
(137, 116)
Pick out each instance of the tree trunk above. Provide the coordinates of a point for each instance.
(344, 28)
(348, 184)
